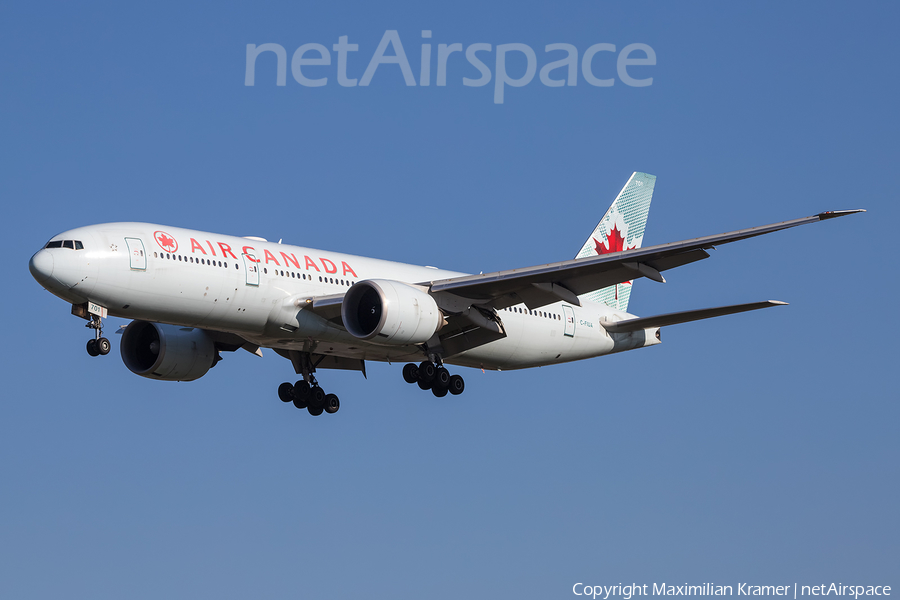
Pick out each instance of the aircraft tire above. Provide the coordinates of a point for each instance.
(441, 377)
(103, 346)
(317, 398)
(286, 392)
(427, 371)
(315, 411)
(300, 393)
(423, 386)
(457, 385)
(92, 348)
(439, 391)
(332, 404)
(410, 373)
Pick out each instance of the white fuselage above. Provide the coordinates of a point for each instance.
(256, 289)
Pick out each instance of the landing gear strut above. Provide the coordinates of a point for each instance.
(433, 377)
(99, 345)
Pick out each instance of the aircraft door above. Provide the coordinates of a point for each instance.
(136, 254)
(569, 314)
(251, 269)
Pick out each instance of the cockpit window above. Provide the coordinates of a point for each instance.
(70, 244)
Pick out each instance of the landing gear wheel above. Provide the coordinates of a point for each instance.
(423, 385)
(440, 392)
(286, 392)
(410, 373)
(332, 404)
(300, 394)
(317, 398)
(457, 385)
(427, 371)
(301, 391)
(441, 377)
(103, 346)
(92, 348)
(315, 411)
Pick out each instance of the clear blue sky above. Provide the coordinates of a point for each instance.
(759, 447)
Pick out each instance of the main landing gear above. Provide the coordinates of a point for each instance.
(435, 378)
(99, 345)
(308, 395)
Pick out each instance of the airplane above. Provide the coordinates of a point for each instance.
(192, 295)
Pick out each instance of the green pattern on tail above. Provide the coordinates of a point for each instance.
(622, 228)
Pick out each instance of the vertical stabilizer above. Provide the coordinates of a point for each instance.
(622, 228)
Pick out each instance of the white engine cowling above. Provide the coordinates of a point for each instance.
(390, 313)
(167, 352)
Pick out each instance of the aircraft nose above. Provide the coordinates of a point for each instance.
(41, 266)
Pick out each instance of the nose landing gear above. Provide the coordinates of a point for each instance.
(99, 346)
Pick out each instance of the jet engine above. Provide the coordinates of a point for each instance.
(390, 313)
(167, 352)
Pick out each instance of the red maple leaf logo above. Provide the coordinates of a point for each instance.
(165, 242)
(615, 242)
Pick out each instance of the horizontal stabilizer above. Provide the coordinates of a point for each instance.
(684, 317)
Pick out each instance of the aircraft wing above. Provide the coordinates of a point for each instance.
(545, 284)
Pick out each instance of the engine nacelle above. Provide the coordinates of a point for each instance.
(390, 313)
(167, 352)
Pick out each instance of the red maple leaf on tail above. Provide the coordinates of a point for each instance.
(615, 242)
